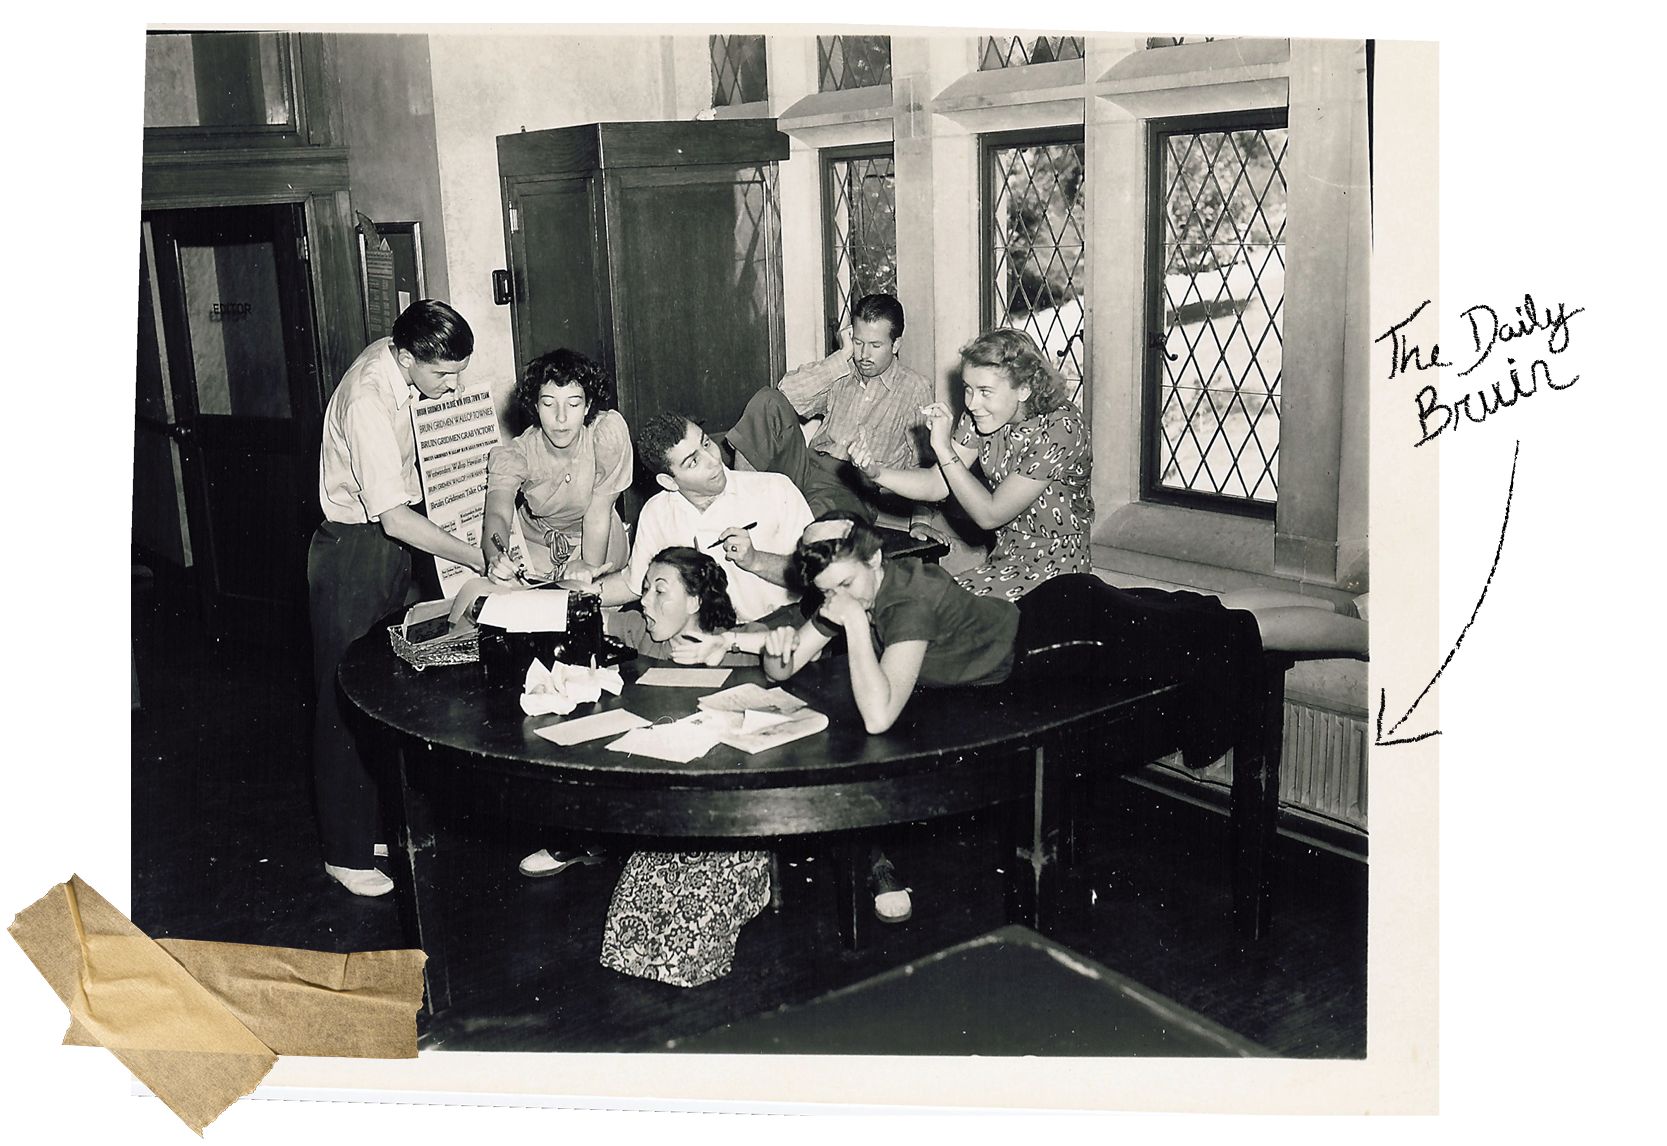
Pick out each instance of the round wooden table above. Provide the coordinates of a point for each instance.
(451, 736)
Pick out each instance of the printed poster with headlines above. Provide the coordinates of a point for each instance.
(454, 435)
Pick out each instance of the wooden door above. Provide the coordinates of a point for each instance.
(695, 258)
(238, 352)
(558, 277)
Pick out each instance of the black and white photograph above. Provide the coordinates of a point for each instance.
(759, 545)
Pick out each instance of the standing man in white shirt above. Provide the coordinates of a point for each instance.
(359, 563)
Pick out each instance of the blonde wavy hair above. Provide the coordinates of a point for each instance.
(1017, 356)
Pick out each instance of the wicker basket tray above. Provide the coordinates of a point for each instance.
(462, 649)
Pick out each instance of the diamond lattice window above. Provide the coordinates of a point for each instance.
(1219, 289)
(738, 72)
(1033, 264)
(1175, 41)
(844, 62)
(859, 231)
(996, 52)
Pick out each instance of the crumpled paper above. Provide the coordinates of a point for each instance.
(561, 688)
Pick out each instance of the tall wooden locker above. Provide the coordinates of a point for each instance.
(656, 249)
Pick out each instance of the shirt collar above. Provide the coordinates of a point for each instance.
(887, 379)
(404, 392)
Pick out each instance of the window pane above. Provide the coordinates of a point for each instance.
(738, 71)
(217, 79)
(1015, 51)
(844, 62)
(1034, 264)
(860, 233)
(1222, 271)
(236, 326)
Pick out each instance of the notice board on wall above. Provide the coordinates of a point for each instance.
(391, 269)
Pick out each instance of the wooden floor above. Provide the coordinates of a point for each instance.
(225, 848)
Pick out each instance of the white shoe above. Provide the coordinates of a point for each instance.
(541, 863)
(361, 881)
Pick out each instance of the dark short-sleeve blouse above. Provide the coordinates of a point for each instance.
(969, 640)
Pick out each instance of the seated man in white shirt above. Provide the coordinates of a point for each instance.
(751, 521)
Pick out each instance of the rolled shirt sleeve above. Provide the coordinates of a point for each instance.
(378, 467)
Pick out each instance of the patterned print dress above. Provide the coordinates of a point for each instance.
(675, 916)
(1051, 536)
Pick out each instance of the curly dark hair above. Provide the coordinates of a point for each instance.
(704, 579)
(1016, 355)
(563, 367)
(658, 436)
(810, 558)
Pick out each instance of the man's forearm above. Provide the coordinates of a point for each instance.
(772, 567)
(404, 524)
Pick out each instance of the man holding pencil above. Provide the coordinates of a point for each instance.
(749, 521)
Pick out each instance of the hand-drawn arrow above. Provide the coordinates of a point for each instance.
(1383, 695)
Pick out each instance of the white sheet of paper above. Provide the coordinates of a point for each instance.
(684, 677)
(592, 727)
(676, 742)
(753, 720)
(527, 611)
(744, 697)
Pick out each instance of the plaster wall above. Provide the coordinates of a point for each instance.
(491, 85)
(393, 160)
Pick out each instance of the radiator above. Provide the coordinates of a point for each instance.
(1322, 769)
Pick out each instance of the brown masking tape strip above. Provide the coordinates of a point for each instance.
(198, 1023)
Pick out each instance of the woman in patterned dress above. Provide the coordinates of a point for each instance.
(675, 916)
(564, 473)
(1031, 446)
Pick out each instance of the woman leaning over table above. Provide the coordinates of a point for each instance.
(1029, 441)
(908, 624)
(566, 471)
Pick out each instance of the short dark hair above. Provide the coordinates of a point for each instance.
(810, 558)
(563, 367)
(1015, 354)
(655, 440)
(433, 332)
(704, 579)
(874, 307)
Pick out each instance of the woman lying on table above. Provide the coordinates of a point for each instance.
(1029, 442)
(675, 916)
(909, 624)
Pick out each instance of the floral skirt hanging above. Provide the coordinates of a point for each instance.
(675, 916)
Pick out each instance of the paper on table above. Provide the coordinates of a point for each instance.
(754, 720)
(527, 611)
(680, 741)
(684, 677)
(598, 724)
(563, 687)
(745, 697)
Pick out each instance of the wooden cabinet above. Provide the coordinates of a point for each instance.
(654, 248)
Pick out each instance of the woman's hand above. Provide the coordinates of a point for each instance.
(500, 570)
(939, 424)
(781, 644)
(698, 649)
(862, 457)
(843, 610)
(577, 570)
